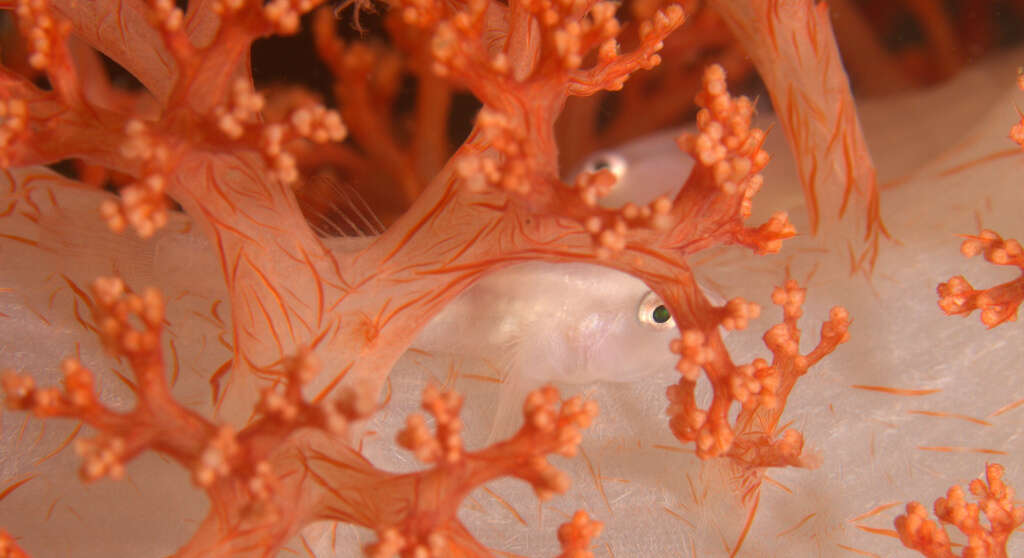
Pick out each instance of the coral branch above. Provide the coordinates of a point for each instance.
(233, 466)
(760, 388)
(415, 514)
(48, 48)
(38, 127)
(523, 79)
(568, 32)
(757, 445)
(997, 304)
(995, 500)
(795, 51)
(157, 421)
(652, 100)
(727, 150)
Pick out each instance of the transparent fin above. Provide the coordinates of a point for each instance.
(344, 213)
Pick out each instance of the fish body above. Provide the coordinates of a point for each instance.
(573, 323)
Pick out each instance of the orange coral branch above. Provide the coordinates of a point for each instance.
(232, 466)
(997, 304)
(995, 500)
(415, 514)
(795, 52)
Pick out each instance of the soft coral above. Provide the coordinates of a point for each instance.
(499, 201)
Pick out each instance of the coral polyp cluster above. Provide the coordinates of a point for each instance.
(995, 500)
(997, 304)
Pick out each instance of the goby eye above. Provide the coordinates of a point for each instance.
(606, 160)
(652, 312)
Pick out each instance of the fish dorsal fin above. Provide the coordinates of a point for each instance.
(335, 209)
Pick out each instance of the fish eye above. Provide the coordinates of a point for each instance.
(653, 312)
(606, 160)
